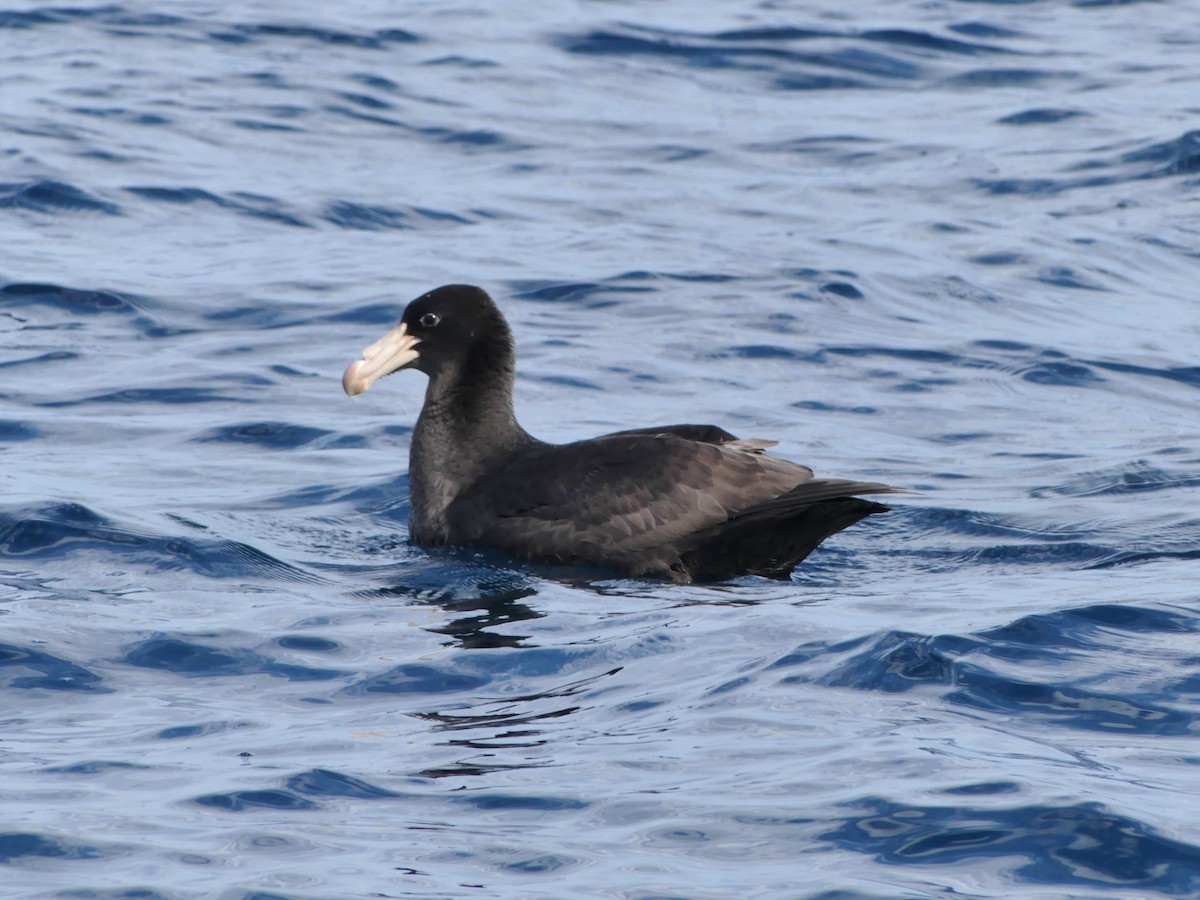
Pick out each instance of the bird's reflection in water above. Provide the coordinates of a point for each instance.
(495, 601)
(505, 710)
(492, 610)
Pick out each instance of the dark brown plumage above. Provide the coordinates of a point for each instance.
(687, 502)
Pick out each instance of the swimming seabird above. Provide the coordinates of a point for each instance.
(685, 502)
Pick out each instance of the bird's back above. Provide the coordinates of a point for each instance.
(635, 501)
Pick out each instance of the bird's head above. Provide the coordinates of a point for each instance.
(442, 331)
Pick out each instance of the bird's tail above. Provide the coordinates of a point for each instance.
(774, 537)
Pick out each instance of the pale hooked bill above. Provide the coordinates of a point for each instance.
(391, 352)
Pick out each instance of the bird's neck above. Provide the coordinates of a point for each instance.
(467, 427)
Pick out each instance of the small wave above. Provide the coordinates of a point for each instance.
(1161, 159)
(1087, 628)
(57, 531)
(270, 435)
(23, 846)
(356, 216)
(295, 794)
(419, 679)
(590, 294)
(473, 138)
(12, 431)
(75, 301)
(307, 643)
(973, 671)
(328, 783)
(1008, 78)
(1041, 116)
(262, 31)
(1081, 844)
(830, 60)
(54, 673)
(255, 205)
(1189, 375)
(490, 800)
(923, 40)
(170, 395)
(183, 732)
(46, 196)
(241, 801)
(1138, 476)
(740, 50)
(94, 767)
(185, 657)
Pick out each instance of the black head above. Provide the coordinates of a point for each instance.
(451, 333)
(457, 327)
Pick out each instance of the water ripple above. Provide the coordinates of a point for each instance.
(47, 196)
(1083, 844)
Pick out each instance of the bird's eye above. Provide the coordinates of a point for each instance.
(429, 320)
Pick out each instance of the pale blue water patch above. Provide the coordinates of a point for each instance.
(949, 246)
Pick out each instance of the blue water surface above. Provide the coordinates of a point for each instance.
(951, 245)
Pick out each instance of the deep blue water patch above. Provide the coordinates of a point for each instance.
(184, 732)
(1075, 707)
(1041, 116)
(368, 217)
(472, 139)
(244, 801)
(490, 801)
(327, 783)
(1160, 159)
(590, 295)
(248, 204)
(188, 658)
(418, 679)
(307, 643)
(380, 39)
(172, 396)
(11, 432)
(18, 846)
(971, 670)
(47, 196)
(57, 531)
(54, 672)
(1060, 372)
(185, 657)
(94, 767)
(1008, 78)
(1135, 477)
(759, 50)
(984, 789)
(1084, 845)
(70, 300)
(1180, 156)
(1189, 375)
(1090, 627)
(268, 435)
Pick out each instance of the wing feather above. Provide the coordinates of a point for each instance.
(620, 496)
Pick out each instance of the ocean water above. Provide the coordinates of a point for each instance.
(947, 245)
